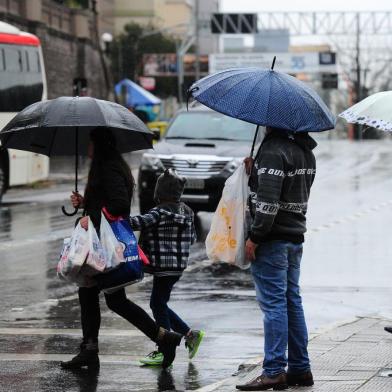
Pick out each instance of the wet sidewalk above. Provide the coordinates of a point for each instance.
(356, 356)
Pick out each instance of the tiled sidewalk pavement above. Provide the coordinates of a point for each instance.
(352, 357)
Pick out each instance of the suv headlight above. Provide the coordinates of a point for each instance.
(233, 164)
(152, 161)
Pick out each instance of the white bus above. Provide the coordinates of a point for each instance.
(22, 82)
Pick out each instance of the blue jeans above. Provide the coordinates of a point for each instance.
(160, 296)
(276, 271)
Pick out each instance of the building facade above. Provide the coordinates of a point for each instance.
(69, 41)
(175, 17)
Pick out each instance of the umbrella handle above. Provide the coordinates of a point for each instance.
(69, 213)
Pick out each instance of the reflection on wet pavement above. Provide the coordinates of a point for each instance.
(346, 272)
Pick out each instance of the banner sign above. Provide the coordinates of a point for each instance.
(165, 64)
(292, 63)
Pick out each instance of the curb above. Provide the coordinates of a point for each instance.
(252, 364)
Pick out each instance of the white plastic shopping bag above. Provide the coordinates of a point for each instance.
(96, 261)
(112, 248)
(226, 239)
(73, 255)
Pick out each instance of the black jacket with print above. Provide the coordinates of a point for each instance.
(280, 182)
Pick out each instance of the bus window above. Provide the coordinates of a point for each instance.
(13, 59)
(34, 60)
(20, 84)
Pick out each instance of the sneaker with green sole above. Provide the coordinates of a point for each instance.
(153, 359)
(192, 342)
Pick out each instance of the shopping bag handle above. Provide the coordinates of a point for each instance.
(143, 257)
(111, 217)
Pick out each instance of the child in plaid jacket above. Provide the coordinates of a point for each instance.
(167, 232)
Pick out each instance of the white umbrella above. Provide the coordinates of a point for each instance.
(374, 111)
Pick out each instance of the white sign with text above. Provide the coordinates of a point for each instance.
(307, 62)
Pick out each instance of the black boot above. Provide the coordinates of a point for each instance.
(88, 356)
(167, 344)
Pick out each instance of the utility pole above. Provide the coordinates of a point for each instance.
(105, 70)
(197, 38)
(358, 70)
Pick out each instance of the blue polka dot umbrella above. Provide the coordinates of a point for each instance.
(264, 97)
(374, 111)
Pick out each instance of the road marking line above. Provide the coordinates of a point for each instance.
(130, 359)
(214, 386)
(350, 218)
(46, 237)
(102, 332)
(67, 332)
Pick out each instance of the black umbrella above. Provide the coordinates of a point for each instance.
(62, 126)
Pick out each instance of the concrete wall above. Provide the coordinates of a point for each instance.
(68, 43)
(175, 12)
(138, 11)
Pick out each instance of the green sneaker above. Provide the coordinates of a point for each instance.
(153, 359)
(192, 342)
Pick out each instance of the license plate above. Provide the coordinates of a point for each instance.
(194, 183)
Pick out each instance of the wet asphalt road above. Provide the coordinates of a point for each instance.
(346, 273)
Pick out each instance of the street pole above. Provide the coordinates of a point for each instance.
(179, 72)
(105, 70)
(358, 86)
(120, 60)
(197, 39)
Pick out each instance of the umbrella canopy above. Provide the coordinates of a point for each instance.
(135, 94)
(62, 126)
(52, 127)
(374, 111)
(264, 97)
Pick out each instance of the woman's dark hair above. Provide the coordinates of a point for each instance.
(105, 150)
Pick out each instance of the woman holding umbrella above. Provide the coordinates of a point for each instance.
(103, 130)
(110, 185)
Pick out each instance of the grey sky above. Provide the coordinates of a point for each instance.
(304, 5)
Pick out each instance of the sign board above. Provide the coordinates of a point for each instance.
(165, 64)
(306, 62)
(148, 83)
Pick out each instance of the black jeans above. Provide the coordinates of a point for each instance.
(118, 303)
(160, 296)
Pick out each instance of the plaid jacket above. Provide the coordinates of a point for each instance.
(167, 232)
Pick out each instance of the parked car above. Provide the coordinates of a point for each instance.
(202, 145)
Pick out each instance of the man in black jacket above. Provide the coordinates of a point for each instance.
(280, 182)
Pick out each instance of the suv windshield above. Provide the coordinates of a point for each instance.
(210, 125)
